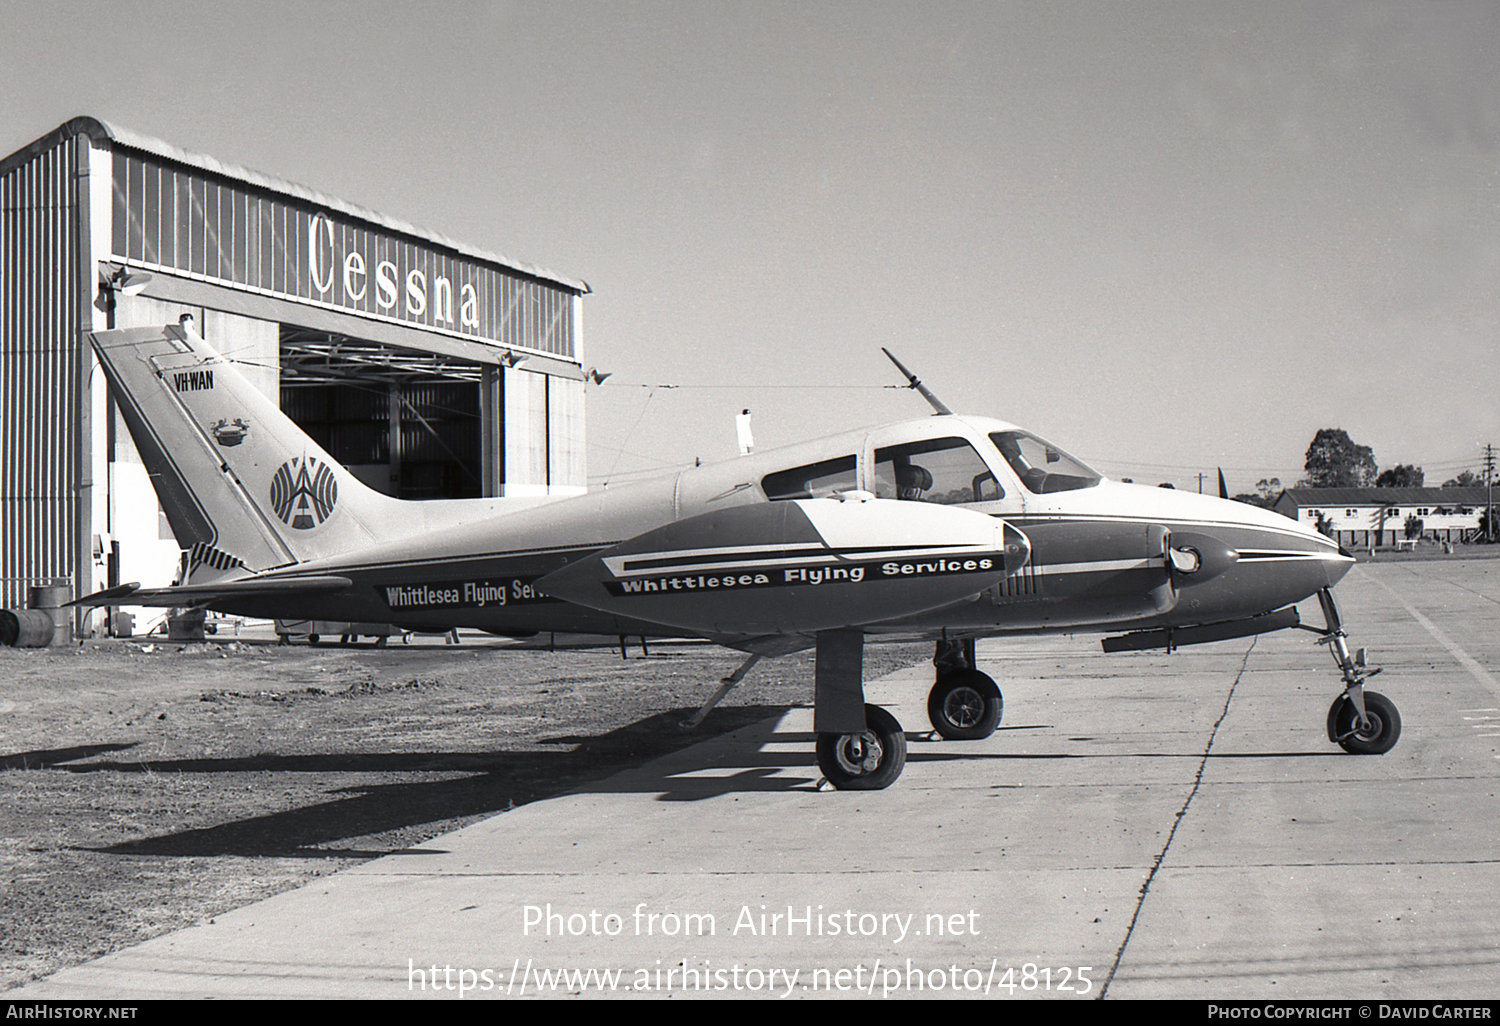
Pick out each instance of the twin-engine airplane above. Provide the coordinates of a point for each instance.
(946, 528)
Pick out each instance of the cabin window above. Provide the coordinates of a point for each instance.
(1041, 466)
(941, 470)
(814, 481)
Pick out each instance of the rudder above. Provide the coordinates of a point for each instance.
(243, 487)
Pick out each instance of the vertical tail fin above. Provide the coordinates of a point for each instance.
(242, 485)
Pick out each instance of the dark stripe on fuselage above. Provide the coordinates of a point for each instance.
(1289, 533)
(771, 553)
(417, 564)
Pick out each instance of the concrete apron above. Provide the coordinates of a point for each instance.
(1277, 866)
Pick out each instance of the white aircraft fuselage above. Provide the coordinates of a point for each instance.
(947, 527)
(1099, 554)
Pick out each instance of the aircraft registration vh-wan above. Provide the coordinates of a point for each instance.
(947, 528)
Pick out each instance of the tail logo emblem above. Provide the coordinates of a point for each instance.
(304, 492)
(230, 435)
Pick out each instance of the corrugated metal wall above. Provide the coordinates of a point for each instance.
(193, 224)
(39, 367)
(569, 458)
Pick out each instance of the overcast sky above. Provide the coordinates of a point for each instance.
(1168, 236)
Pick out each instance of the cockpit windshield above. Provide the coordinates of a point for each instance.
(1042, 466)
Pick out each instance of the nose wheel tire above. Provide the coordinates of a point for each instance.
(965, 705)
(1377, 737)
(869, 761)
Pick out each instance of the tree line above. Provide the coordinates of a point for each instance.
(1334, 460)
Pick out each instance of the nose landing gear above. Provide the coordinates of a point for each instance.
(1360, 722)
(1375, 736)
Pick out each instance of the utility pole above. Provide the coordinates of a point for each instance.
(1489, 494)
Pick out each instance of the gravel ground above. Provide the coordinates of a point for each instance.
(149, 786)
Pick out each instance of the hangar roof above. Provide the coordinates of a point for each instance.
(114, 134)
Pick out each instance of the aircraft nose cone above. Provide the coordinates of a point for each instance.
(1337, 566)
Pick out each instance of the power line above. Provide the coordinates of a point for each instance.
(644, 406)
(1192, 467)
(1427, 465)
(746, 387)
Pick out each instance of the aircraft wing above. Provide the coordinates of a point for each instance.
(796, 567)
(205, 594)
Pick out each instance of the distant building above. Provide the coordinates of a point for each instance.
(1361, 517)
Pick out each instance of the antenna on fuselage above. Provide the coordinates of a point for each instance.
(926, 393)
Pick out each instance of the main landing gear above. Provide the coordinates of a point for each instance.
(1359, 721)
(868, 761)
(860, 747)
(964, 704)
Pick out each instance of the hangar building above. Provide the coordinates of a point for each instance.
(430, 368)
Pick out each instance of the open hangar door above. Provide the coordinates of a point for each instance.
(415, 425)
(410, 423)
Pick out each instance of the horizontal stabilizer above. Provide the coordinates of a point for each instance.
(198, 594)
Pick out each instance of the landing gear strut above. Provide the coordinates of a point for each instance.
(964, 704)
(1359, 721)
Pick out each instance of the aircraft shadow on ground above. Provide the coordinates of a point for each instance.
(494, 782)
(55, 758)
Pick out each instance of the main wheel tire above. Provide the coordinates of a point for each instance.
(870, 761)
(965, 705)
(1378, 738)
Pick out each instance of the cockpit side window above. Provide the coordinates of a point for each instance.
(941, 470)
(814, 481)
(1041, 466)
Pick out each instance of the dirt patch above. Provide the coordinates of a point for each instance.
(151, 786)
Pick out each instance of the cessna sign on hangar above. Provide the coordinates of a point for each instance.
(352, 274)
(189, 222)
